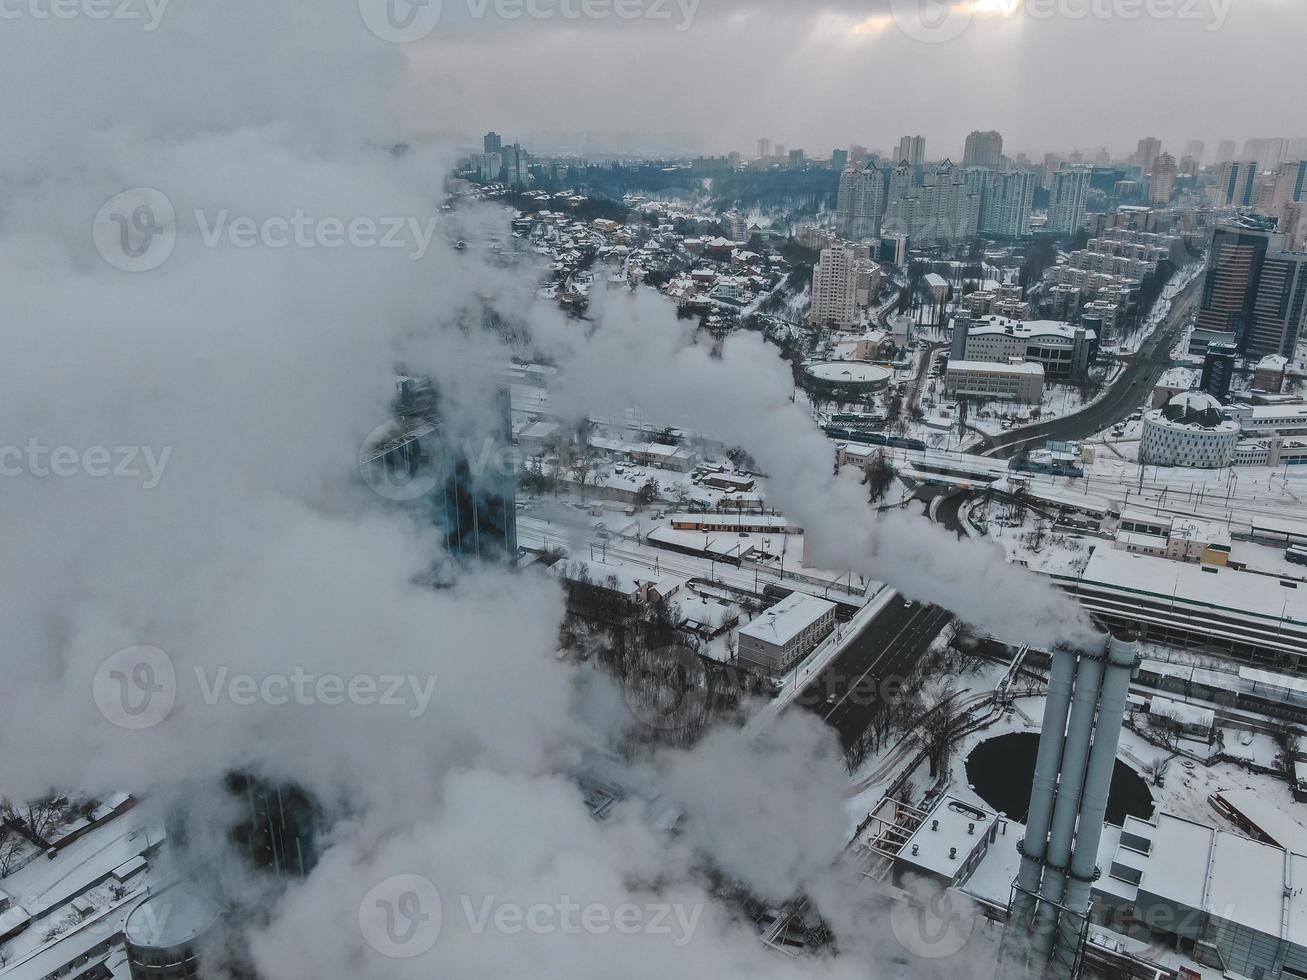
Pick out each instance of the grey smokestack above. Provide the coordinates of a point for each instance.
(1042, 790)
(1071, 780)
(1123, 658)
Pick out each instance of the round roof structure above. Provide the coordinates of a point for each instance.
(1194, 408)
(849, 372)
(172, 917)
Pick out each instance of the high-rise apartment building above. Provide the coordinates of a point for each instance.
(489, 166)
(944, 209)
(1006, 201)
(1218, 370)
(1236, 186)
(465, 489)
(912, 150)
(1162, 185)
(1225, 151)
(1196, 149)
(835, 288)
(1149, 149)
(516, 166)
(860, 205)
(796, 159)
(1255, 288)
(1266, 154)
(764, 149)
(839, 159)
(1290, 185)
(1069, 200)
(492, 142)
(1279, 306)
(983, 149)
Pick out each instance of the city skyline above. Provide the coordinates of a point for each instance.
(997, 74)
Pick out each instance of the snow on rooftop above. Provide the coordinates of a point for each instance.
(995, 323)
(1226, 588)
(788, 618)
(995, 367)
(1269, 818)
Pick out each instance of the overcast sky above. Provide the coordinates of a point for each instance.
(1049, 74)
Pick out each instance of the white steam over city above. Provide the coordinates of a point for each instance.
(567, 489)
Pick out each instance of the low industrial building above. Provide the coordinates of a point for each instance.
(1252, 619)
(665, 456)
(1063, 350)
(950, 842)
(1175, 381)
(1191, 430)
(1231, 903)
(850, 376)
(1271, 420)
(1174, 537)
(1269, 374)
(1019, 382)
(732, 522)
(785, 633)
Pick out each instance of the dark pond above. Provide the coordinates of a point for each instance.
(1003, 768)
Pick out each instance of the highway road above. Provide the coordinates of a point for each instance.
(851, 691)
(1126, 395)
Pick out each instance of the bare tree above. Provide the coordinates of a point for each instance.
(940, 727)
(11, 845)
(38, 817)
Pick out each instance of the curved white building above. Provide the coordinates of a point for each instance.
(1190, 430)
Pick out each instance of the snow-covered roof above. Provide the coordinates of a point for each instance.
(597, 573)
(994, 323)
(788, 618)
(1182, 712)
(1268, 818)
(996, 367)
(952, 826)
(1225, 589)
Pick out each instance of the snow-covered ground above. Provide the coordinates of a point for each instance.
(1160, 311)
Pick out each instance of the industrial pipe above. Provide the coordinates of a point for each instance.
(1042, 790)
(1123, 658)
(1070, 782)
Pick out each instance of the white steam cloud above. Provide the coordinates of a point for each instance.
(251, 374)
